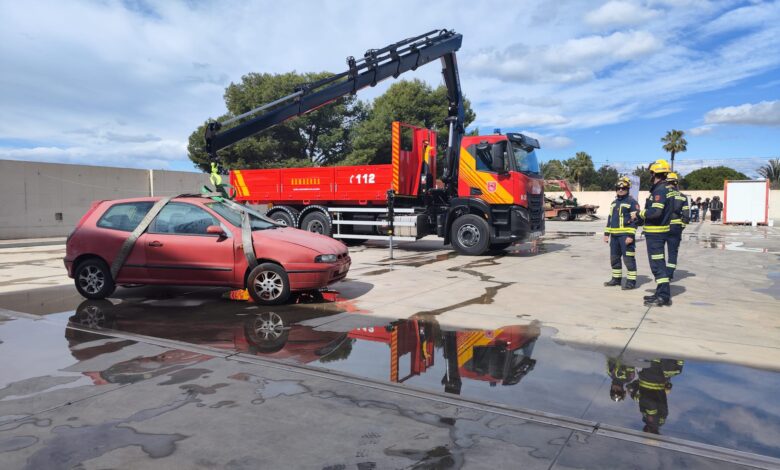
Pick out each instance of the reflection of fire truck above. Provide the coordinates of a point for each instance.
(500, 355)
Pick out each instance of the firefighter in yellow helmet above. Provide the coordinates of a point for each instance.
(657, 217)
(681, 216)
(620, 233)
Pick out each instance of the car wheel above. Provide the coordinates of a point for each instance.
(267, 332)
(283, 218)
(93, 279)
(316, 222)
(268, 284)
(564, 215)
(470, 235)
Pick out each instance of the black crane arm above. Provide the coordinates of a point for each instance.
(375, 66)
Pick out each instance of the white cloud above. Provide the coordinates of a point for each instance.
(701, 130)
(619, 13)
(745, 17)
(765, 113)
(533, 120)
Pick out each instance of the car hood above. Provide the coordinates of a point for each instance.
(313, 241)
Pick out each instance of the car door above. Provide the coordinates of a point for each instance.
(179, 251)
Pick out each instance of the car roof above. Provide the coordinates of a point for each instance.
(183, 198)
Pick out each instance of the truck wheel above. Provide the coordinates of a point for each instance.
(93, 279)
(268, 284)
(316, 222)
(564, 216)
(470, 235)
(283, 218)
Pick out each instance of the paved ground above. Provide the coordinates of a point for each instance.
(178, 378)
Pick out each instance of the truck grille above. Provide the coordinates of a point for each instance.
(536, 210)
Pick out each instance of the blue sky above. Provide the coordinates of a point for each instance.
(125, 83)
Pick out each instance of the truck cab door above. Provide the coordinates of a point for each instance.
(481, 178)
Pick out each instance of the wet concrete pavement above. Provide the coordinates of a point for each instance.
(490, 376)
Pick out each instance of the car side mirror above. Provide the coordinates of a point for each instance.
(215, 230)
(497, 157)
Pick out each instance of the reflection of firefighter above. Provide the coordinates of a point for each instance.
(621, 374)
(651, 389)
(427, 176)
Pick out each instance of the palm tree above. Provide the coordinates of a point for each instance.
(771, 171)
(674, 142)
(579, 165)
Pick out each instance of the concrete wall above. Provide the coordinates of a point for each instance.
(604, 198)
(35, 195)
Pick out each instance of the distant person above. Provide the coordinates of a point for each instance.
(705, 206)
(695, 206)
(716, 207)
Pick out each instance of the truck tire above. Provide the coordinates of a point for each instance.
(283, 217)
(470, 235)
(564, 216)
(316, 222)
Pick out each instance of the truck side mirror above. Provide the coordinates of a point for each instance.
(497, 156)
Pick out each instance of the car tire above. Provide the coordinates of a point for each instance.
(283, 218)
(564, 216)
(316, 222)
(268, 284)
(470, 235)
(93, 279)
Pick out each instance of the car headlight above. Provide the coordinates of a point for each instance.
(326, 259)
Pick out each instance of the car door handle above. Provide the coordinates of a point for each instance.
(155, 244)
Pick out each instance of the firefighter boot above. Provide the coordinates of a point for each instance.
(657, 301)
(615, 281)
(630, 284)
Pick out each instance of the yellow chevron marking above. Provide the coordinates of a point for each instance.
(479, 179)
(242, 188)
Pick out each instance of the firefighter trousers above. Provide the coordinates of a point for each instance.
(655, 254)
(619, 248)
(673, 239)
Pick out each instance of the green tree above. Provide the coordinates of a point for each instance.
(321, 137)
(413, 102)
(674, 143)
(711, 177)
(771, 171)
(645, 177)
(553, 170)
(580, 170)
(607, 176)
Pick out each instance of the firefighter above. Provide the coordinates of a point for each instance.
(651, 392)
(620, 233)
(656, 217)
(621, 375)
(680, 218)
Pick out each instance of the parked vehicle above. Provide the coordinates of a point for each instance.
(566, 208)
(198, 241)
(490, 195)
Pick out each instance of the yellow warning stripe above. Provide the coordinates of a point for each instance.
(304, 181)
(243, 190)
(396, 153)
(477, 179)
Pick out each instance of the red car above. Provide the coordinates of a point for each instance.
(197, 241)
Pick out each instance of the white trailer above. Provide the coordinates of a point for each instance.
(746, 202)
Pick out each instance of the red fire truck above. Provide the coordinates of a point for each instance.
(490, 193)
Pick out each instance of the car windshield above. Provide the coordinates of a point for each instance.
(258, 222)
(526, 161)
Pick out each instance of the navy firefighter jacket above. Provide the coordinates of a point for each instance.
(619, 219)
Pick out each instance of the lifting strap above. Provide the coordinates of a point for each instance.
(127, 246)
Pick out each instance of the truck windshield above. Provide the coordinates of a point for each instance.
(258, 222)
(526, 161)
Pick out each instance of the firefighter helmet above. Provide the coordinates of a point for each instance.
(623, 182)
(660, 166)
(672, 177)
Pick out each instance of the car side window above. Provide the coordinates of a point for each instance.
(124, 216)
(182, 219)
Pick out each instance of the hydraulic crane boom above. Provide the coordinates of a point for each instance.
(375, 66)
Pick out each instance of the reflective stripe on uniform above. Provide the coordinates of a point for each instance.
(656, 228)
(621, 231)
(651, 385)
(659, 256)
(662, 280)
(670, 265)
(658, 205)
(630, 253)
(631, 275)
